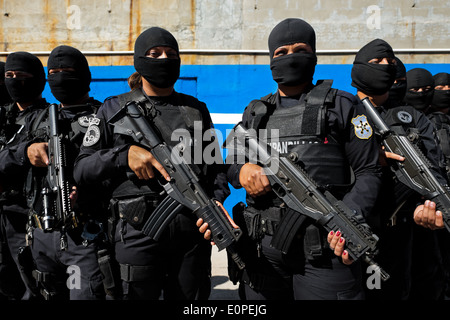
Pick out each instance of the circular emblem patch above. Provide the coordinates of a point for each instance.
(404, 117)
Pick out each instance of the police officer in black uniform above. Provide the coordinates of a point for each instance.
(373, 74)
(438, 114)
(25, 81)
(4, 99)
(65, 258)
(179, 262)
(330, 148)
(398, 89)
(441, 97)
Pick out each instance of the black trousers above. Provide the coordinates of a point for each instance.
(75, 273)
(177, 267)
(13, 282)
(412, 257)
(278, 276)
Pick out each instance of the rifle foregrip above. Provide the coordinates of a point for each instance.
(223, 233)
(443, 205)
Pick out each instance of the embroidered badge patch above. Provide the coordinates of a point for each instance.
(404, 117)
(363, 130)
(92, 134)
(84, 121)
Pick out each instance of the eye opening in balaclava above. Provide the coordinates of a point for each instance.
(419, 78)
(398, 89)
(68, 86)
(296, 68)
(25, 90)
(441, 98)
(164, 72)
(371, 78)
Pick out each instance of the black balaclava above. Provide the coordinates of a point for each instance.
(162, 73)
(4, 95)
(25, 90)
(372, 78)
(398, 90)
(419, 78)
(441, 98)
(68, 86)
(297, 68)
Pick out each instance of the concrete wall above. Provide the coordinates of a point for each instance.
(113, 25)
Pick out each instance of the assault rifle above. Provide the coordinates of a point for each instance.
(302, 195)
(57, 205)
(414, 171)
(183, 190)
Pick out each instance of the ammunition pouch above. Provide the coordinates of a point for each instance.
(135, 210)
(27, 265)
(259, 223)
(255, 224)
(50, 287)
(110, 271)
(314, 242)
(262, 222)
(12, 197)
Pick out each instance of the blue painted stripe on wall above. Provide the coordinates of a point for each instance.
(224, 88)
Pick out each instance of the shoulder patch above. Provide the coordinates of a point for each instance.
(404, 116)
(363, 130)
(92, 135)
(85, 121)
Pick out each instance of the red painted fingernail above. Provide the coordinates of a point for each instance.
(345, 253)
(338, 233)
(341, 240)
(331, 232)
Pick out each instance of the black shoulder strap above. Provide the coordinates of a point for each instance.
(190, 114)
(134, 95)
(138, 96)
(317, 101)
(38, 120)
(260, 111)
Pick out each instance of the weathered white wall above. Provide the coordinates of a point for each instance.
(113, 25)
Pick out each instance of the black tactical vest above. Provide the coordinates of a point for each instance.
(11, 125)
(303, 130)
(72, 130)
(151, 190)
(441, 123)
